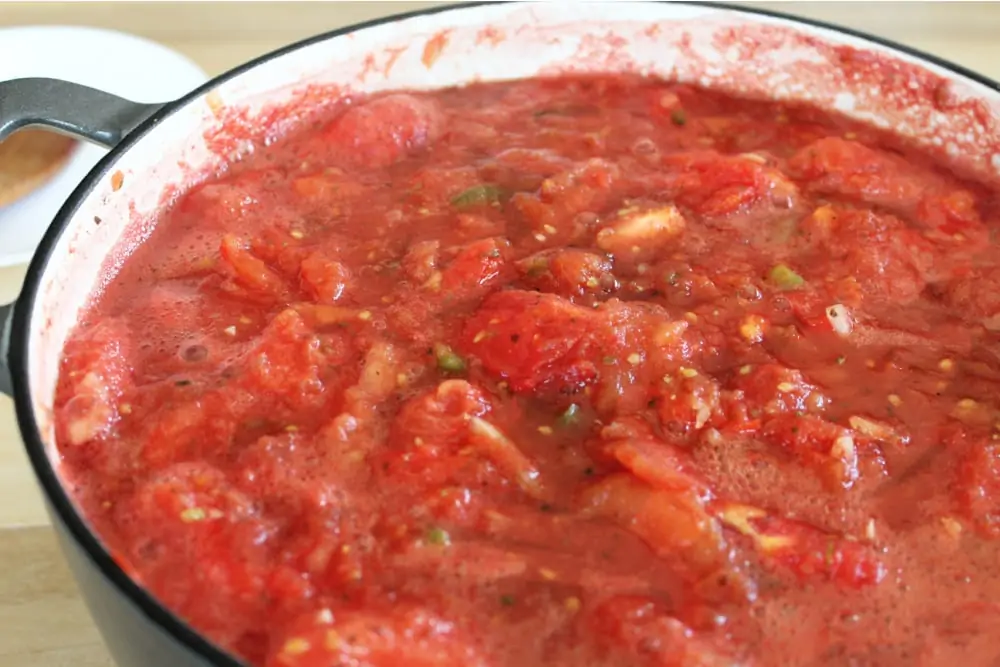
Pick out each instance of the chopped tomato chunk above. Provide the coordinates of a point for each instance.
(719, 185)
(379, 132)
(780, 390)
(816, 441)
(654, 462)
(440, 418)
(534, 341)
(806, 550)
(569, 272)
(475, 269)
(847, 167)
(250, 271)
(672, 522)
(689, 401)
(325, 278)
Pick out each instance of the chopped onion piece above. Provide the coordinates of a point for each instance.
(505, 455)
(754, 157)
(840, 319)
(951, 526)
(845, 460)
(874, 429)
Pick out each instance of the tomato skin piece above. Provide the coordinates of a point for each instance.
(330, 186)
(884, 256)
(847, 562)
(238, 198)
(420, 261)
(534, 341)
(849, 168)
(843, 561)
(278, 373)
(524, 169)
(440, 480)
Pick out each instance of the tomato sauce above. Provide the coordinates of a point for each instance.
(575, 371)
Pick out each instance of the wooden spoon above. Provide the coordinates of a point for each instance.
(28, 159)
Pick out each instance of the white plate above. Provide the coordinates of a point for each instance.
(124, 65)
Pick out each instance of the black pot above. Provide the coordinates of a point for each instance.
(484, 41)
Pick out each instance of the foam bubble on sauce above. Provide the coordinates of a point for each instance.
(739, 468)
(194, 351)
(169, 314)
(195, 252)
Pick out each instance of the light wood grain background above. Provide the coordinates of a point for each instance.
(42, 621)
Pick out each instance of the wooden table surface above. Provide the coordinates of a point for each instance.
(42, 620)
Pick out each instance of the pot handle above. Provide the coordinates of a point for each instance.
(69, 108)
(6, 317)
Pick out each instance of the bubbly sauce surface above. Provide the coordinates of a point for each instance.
(583, 371)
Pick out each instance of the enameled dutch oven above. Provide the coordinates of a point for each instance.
(157, 149)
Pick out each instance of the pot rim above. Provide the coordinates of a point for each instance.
(55, 494)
